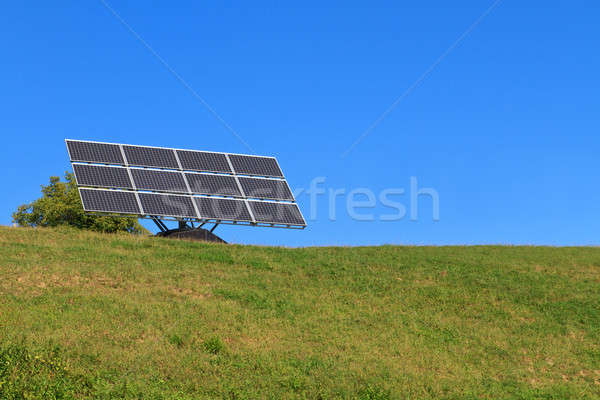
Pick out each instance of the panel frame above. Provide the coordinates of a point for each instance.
(241, 196)
(73, 164)
(186, 217)
(280, 203)
(187, 184)
(241, 189)
(91, 162)
(230, 172)
(225, 219)
(272, 199)
(119, 213)
(255, 175)
(172, 148)
(137, 196)
(202, 221)
(174, 171)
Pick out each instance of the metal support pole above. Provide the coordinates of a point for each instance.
(160, 224)
(183, 225)
(214, 227)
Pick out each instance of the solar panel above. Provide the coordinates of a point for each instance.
(224, 185)
(203, 161)
(109, 201)
(227, 209)
(102, 153)
(252, 165)
(276, 213)
(161, 181)
(150, 157)
(102, 176)
(265, 188)
(167, 205)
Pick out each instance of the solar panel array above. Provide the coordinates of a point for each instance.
(161, 182)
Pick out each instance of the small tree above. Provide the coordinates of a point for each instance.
(61, 205)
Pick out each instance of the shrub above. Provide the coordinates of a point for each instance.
(60, 205)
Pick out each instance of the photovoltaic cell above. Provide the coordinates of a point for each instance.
(167, 205)
(150, 157)
(266, 188)
(101, 176)
(203, 161)
(162, 181)
(276, 213)
(216, 174)
(249, 165)
(102, 153)
(224, 185)
(109, 201)
(223, 209)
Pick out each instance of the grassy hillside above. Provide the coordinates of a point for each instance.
(115, 316)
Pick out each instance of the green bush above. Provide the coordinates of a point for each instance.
(60, 205)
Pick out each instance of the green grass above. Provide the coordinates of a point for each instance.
(85, 315)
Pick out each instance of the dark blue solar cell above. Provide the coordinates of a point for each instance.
(167, 205)
(160, 181)
(254, 165)
(222, 209)
(276, 213)
(109, 201)
(224, 185)
(203, 161)
(260, 188)
(150, 157)
(101, 153)
(102, 176)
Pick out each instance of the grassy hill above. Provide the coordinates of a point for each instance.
(86, 315)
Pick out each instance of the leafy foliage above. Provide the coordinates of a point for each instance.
(61, 205)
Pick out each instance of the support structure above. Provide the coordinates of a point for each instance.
(187, 230)
(161, 225)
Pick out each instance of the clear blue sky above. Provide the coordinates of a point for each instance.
(505, 127)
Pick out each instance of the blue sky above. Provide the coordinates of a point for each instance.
(505, 128)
